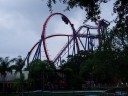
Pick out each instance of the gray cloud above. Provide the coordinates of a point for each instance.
(21, 23)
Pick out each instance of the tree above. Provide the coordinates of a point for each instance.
(92, 7)
(41, 72)
(18, 67)
(19, 64)
(93, 11)
(5, 68)
(109, 62)
(71, 68)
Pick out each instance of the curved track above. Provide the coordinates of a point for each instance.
(44, 31)
(75, 39)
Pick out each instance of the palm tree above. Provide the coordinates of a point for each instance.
(5, 68)
(19, 64)
(18, 67)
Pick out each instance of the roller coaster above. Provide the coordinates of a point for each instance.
(76, 41)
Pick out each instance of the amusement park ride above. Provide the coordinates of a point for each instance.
(76, 41)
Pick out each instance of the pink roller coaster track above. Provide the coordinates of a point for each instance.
(44, 29)
(73, 37)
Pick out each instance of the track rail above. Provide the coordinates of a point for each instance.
(74, 37)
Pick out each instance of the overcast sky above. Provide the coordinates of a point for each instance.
(21, 24)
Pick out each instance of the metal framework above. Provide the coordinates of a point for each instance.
(76, 41)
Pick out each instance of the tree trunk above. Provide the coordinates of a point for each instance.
(4, 84)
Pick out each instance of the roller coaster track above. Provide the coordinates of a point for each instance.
(74, 38)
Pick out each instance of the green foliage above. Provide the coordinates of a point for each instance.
(39, 65)
(18, 83)
(109, 62)
(104, 66)
(91, 7)
(18, 65)
(49, 4)
(41, 72)
(5, 66)
(121, 9)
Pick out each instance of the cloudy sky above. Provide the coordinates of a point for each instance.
(21, 23)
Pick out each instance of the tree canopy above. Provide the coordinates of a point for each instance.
(92, 8)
